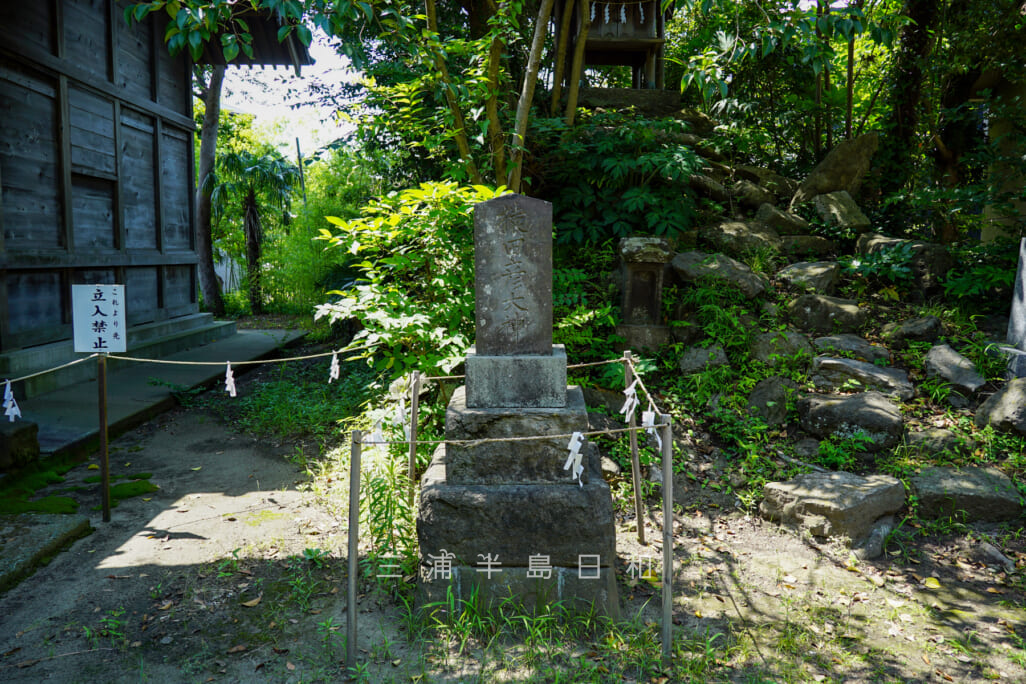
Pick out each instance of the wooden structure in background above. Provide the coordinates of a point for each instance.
(96, 164)
(629, 33)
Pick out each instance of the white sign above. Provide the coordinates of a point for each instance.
(98, 317)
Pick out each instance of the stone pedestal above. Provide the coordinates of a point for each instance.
(536, 542)
(501, 518)
(520, 381)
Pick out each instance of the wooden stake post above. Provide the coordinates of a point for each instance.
(414, 406)
(666, 435)
(354, 548)
(639, 513)
(101, 383)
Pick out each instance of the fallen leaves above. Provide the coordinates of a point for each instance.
(254, 602)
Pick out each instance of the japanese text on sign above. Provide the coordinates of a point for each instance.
(98, 318)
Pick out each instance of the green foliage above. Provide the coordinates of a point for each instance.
(889, 269)
(615, 175)
(413, 251)
(984, 272)
(841, 453)
(297, 400)
(339, 183)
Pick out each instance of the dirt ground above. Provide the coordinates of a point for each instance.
(234, 571)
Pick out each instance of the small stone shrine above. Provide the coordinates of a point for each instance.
(1017, 319)
(642, 265)
(501, 517)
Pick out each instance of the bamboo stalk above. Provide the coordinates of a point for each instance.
(578, 66)
(561, 48)
(541, 29)
(450, 98)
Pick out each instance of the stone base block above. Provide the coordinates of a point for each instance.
(515, 522)
(517, 381)
(644, 337)
(578, 589)
(515, 462)
(19, 443)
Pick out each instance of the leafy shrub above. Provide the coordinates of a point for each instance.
(615, 176)
(890, 264)
(983, 272)
(413, 251)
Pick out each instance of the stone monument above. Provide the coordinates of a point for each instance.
(1017, 319)
(500, 517)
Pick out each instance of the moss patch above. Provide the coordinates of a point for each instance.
(48, 504)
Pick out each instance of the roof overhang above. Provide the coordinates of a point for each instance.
(267, 50)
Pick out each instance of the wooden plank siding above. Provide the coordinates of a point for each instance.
(96, 167)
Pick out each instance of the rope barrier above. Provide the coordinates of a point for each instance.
(57, 368)
(641, 384)
(531, 438)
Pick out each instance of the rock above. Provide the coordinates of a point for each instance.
(819, 276)
(839, 210)
(807, 448)
(842, 169)
(833, 373)
(772, 347)
(697, 359)
(610, 468)
(843, 416)
(807, 244)
(994, 555)
(783, 222)
(699, 122)
(938, 441)
(692, 266)
(826, 315)
(944, 362)
(645, 250)
(872, 546)
(768, 401)
(779, 185)
(833, 504)
(982, 494)
(846, 342)
(930, 262)
(922, 329)
(736, 237)
(708, 187)
(609, 401)
(19, 444)
(1005, 410)
(751, 195)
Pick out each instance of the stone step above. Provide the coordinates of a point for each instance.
(152, 340)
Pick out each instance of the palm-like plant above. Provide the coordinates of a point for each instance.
(259, 182)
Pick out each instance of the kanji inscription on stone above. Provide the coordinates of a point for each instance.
(513, 276)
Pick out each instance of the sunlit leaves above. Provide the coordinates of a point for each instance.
(415, 302)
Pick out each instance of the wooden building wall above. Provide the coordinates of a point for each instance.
(96, 167)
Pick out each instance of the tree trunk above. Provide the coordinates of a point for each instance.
(906, 86)
(254, 238)
(209, 286)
